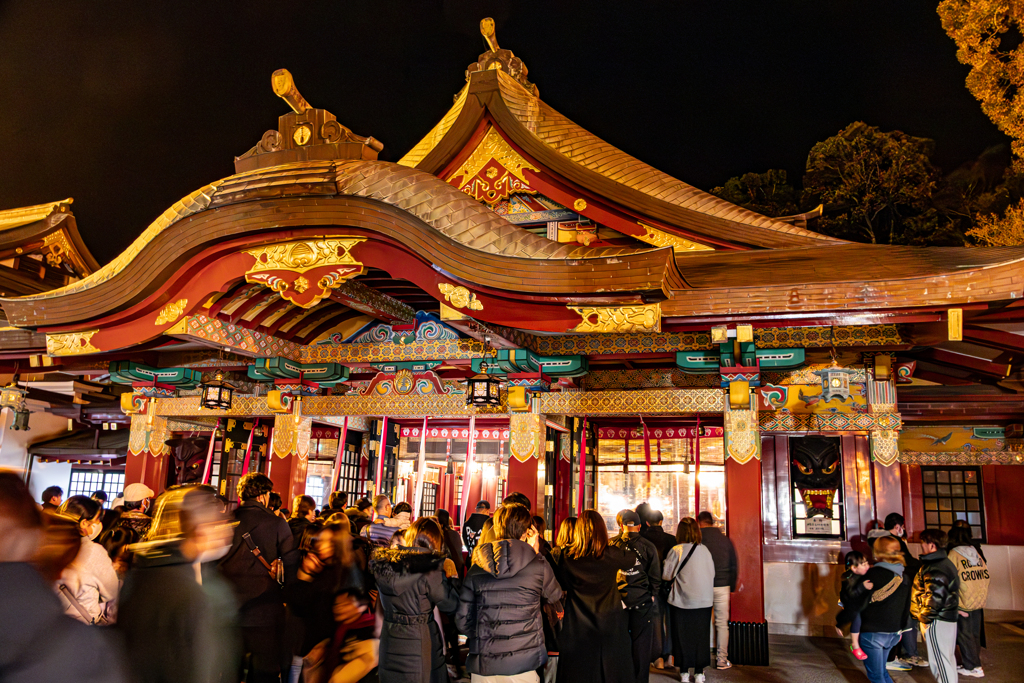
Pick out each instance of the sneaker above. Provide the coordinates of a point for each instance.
(916, 661)
(976, 672)
(685, 677)
(699, 678)
(723, 664)
(859, 653)
(898, 665)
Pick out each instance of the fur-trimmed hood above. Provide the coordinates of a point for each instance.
(389, 564)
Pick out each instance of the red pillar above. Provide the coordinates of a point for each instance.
(288, 475)
(563, 492)
(135, 468)
(476, 480)
(522, 477)
(743, 522)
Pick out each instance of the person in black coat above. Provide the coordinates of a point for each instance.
(474, 525)
(594, 645)
(303, 508)
(412, 582)
(935, 602)
(38, 641)
(639, 586)
(881, 599)
(664, 542)
(260, 599)
(500, 601)
(176, 629)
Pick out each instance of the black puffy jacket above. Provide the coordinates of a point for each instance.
(936, 591)
(500, 608)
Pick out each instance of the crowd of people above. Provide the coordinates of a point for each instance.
(181, 587)
(940, 593)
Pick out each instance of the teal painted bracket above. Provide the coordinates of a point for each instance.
(129, 372)
(413, 366)
(270, 369)
(709, 362)
(514, 361)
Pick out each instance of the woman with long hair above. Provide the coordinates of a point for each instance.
(88, 586)
(691, 570)
(452, 541)
(594, 645)
(413, 579)
(565, 531)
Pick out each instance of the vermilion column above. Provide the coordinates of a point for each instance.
(288, 475)
(522, 477)
(743, 523)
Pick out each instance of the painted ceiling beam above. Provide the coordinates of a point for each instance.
(372, 302)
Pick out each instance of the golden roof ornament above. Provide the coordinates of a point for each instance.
(503, 60)
(304, 134)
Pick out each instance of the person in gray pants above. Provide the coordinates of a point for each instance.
(724, 555)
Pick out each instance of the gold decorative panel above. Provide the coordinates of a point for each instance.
(460, 297)
(647, 402)
(619, 319)
(171, 312)
(305, 272)
(493, 171)
(660, 238)
(526, 435)
(71, 343)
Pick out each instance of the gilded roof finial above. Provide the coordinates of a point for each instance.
(284, 87)
(304, 134)
(502, 60)
(487, 30)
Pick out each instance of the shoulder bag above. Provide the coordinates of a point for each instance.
(666, 586)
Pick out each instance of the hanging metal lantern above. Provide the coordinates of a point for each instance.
(12, 396)
(217, 394)
(21, 420)
(483, 390)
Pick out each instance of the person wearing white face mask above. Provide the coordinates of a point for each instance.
(177, 615)
(88, 586)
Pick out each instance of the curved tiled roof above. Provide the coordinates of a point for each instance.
(449, 212)
(583, 158)
(586, 149)
(456, 215)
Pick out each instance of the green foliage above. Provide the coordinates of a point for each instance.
(767, 193)
(878, 184)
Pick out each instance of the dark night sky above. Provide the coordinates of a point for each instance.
(127, 106)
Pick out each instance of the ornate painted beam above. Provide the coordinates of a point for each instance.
(359, 297)
(216, 333)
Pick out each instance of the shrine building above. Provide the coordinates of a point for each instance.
(518, 305)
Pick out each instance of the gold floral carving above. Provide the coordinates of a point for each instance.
(60, 249)
(171, 312)
(660, 238)
(493, 171)
(290, 268)
(460, 297)
(742, 433)
(71, 343)
(580, 204)
(640, 318)
(526, 437)
(885, 446)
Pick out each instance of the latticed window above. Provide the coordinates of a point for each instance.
(951, 494)
(85, 481)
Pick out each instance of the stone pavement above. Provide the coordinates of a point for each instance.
(798, 659)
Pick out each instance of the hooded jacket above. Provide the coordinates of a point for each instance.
(411, 583)
(935, 595)
(500, 608)
(640, 583)
(973, 574)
